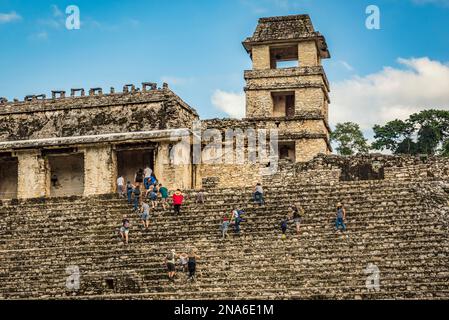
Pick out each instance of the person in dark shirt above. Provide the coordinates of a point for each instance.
(136, 198)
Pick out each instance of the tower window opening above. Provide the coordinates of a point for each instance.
(283, 104)
(284, 57)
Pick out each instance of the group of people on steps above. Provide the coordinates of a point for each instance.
(155, 193)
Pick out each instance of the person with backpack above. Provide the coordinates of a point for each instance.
(147, 174)
(137, 194)
(152, 196)
(341, 216)
(297, 215)
(124, 229)
(258, 195)
(153, 180)
(138, 179)
(129, 191)
(170, 261)
(164, 196)
(178, 198)
(237, 220)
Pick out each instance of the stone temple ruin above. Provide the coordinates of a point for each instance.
(60, 158)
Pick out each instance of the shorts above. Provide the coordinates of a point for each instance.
(297, 221)
(170, 267)
(124, 230)
(163, 200)
(145, 216)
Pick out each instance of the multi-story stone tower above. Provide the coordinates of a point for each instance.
(287, 87)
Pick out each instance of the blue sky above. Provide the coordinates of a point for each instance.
(196, 47)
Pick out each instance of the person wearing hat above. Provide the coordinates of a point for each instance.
(170, 261)
(341, 216)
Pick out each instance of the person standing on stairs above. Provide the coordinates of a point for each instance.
(178, 198)
(147, 175)
(200, 197)
(145, 215)
(152, 196)
(129, 191)
(121, 186)
(284, 225)
(225, 227)
(164, 196)
(192, 264)
(137, 194)
(124, 229)
(170, 261)
(258, 194)
(297, 215)
(138, 179)
(341, 217)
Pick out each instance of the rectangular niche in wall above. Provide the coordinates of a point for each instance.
(9, 170)
(66, 174)
(283, 104)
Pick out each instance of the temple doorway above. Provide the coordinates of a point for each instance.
(9, 172)
(132, 158)
(66, 174)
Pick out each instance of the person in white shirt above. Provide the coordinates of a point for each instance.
(147, 177)
(121, 186)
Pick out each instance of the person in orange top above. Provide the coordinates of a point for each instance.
(178, 198)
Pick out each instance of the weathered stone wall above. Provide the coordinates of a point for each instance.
(99, 170)
(332, 168)
(69, 170)
(308, 53)
(33, 176)
(306, 149)
(309, 84)
(174, 175)
(93, 115)
(261, 57)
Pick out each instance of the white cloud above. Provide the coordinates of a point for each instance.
(56, 11)
(9, 17)
(392, 93)
(230, 102)
(346, 65)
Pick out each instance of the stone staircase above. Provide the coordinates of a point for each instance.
(400, 227)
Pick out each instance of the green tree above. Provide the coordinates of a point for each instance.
(426, 132)
(349, 139)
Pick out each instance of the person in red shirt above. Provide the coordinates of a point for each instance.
(178, 198)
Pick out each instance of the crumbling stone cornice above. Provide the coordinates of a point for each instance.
(287, 72)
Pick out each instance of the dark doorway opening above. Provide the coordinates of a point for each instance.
(9, 172)
(287, 151)
(129, 161)
(283, 104)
